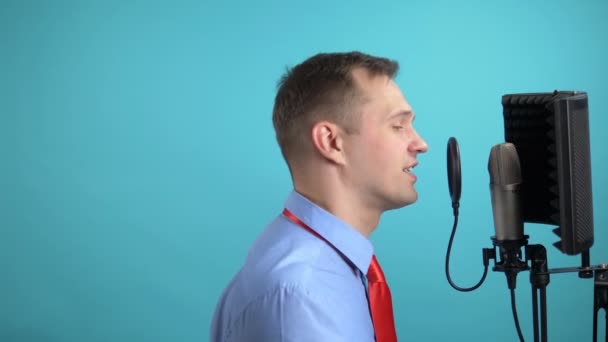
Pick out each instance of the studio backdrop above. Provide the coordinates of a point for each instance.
(138, 160)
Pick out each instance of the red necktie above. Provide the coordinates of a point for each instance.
(380, 301)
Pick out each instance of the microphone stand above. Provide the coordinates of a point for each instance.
(511, 264)
(600, 287)
(600, 297)
(539, 279)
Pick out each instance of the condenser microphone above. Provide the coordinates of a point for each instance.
(505, 189)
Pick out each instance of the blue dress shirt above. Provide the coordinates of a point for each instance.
(293, 286)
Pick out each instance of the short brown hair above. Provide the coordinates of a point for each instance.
(321, 87)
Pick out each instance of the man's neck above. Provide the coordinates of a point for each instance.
(342, 204)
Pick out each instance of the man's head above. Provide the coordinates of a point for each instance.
(321, 88)
(343, 113)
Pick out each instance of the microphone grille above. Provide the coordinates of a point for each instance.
(504, 165)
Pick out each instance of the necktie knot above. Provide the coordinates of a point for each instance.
(374, 273)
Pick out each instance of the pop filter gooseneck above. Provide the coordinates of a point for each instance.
(455, 186)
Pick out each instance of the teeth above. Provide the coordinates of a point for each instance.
(408, 170)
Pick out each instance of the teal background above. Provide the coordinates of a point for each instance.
(139, 161)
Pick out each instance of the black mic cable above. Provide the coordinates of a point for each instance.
(514, 309)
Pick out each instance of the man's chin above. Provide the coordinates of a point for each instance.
(404, 201)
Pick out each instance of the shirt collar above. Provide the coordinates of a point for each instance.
(354, 245)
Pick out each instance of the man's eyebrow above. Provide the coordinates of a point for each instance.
(401, 113)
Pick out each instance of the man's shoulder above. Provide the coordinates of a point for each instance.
(289, 280)
(272, 284)
(288, 254)
(284, 260)
(282, 256)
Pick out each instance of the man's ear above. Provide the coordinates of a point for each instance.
(328, 140)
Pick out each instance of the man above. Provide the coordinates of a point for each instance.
(346, 133)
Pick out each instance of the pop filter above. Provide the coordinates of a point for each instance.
(454, 177)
